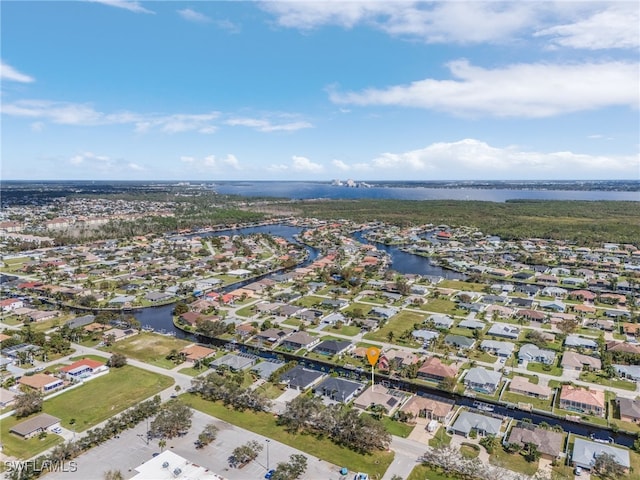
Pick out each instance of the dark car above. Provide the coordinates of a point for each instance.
(269, 474)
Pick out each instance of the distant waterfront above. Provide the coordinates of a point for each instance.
(318, 190)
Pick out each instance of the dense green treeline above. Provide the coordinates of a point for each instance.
(580, 221)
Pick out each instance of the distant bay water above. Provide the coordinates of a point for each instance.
(318, 190)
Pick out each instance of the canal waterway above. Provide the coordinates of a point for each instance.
(161, 320)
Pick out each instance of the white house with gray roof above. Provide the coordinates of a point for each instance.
(532, 353)
(501, 349)
(504, 330)
(585, 453)
(576, 341)
(482, 380)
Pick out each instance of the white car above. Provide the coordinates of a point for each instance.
(577, 471)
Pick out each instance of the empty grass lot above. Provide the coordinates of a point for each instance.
(513, 461)
(398, 324)
(105, 396)
(150, 348)
(265, 424)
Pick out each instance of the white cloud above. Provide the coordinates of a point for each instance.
(211, 162)
(280, 167)
(132, 6)
(614, 27)
(432, 22)
(520, 90)
(7, 72)
(37, 126)
(103, 164)
(266, 126)
(303, 164)
(193, 16)
(66, 113)
(474, 159)
(340, 165)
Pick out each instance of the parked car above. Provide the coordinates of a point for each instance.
(577, 471)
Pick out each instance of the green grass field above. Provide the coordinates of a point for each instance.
(265, 424)
(515, 462)
(398, 324)
(150, 348)
(106, 396)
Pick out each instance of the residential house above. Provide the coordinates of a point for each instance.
(7, 397)
(523, 386)
(235, 361)
(504, 330)
(482, 424)
(583, 400)
(379, 395)
(197, 353)
(472, 324)
(82, 321)
(629, 409)
(578, 361)
(425, 336)
(434, 369)
(299, 340)
(301, 378)
(548, 442)
(333, 347)
(500, 349)
(575, 341)
(431, 408)
(459, 341)
(338, 389)
(531, 315)
(441, 322)
(586, 452)
(482, 380)
(272, 336)
(624, 347)
(383, 312)
(630, 372)
(41, 382)
(9, 305)
(532, 353)
(35, 425)
(84, 369)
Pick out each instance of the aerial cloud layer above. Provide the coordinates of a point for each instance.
(520, 90)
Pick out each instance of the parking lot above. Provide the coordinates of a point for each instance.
(131, 449)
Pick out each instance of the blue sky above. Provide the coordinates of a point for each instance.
(300, 90)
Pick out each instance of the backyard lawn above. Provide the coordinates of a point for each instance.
(265, 424)
(105, 396)
(150, 348)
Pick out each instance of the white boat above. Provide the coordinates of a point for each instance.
(483, 406)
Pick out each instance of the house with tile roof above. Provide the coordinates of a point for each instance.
(583, 400)
(523, 386)
(84, 369)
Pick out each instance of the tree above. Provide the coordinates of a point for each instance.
(117, 360)
(607, 467)
(490, 443)
(208, 435)
(531, 453)
(294, 468)
(174, 419)
(449, 384)
(28, 403)
(180, 308)
(246, 453)
(113, 475)
(568, 325)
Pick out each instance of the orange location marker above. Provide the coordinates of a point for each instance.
(372, 354)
